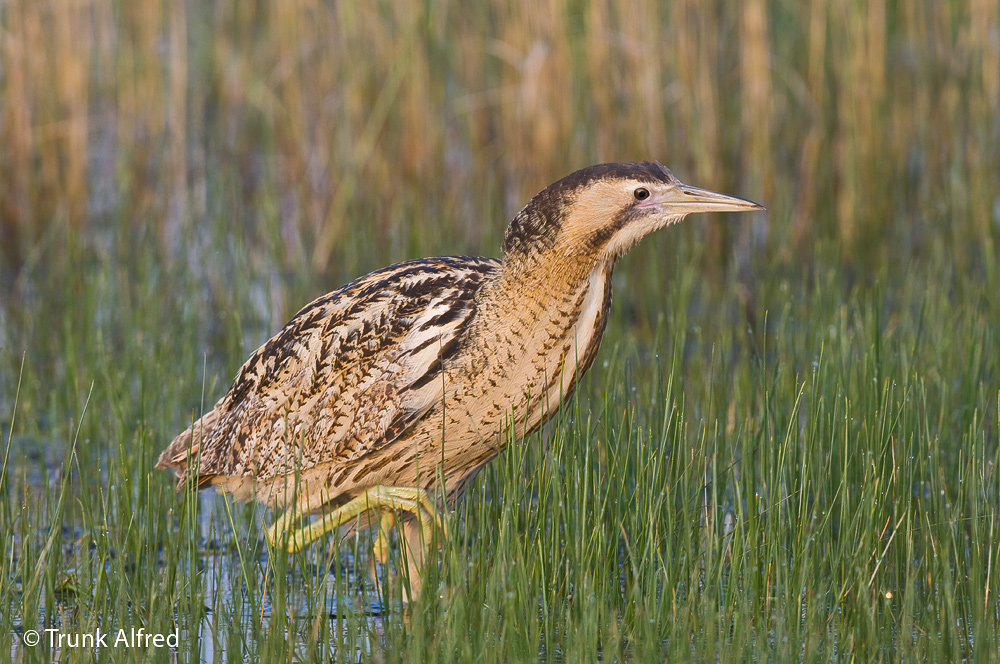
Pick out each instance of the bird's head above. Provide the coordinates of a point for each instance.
(603, 211)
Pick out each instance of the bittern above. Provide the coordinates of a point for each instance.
(377, 396)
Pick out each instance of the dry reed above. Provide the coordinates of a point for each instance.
(123, 114)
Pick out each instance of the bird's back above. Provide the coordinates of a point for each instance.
(350, 373)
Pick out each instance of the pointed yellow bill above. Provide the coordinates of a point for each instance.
(685, 199)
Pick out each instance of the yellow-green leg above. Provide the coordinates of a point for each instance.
(380, 550)
(382, 499)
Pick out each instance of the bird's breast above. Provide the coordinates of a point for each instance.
(528, 360)
(566, 348)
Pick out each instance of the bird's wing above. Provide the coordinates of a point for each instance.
(348, 374)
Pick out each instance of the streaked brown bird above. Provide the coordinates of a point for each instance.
(408, 380)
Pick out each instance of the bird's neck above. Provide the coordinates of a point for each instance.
(545, 272)
(538, 326)
(542, 288)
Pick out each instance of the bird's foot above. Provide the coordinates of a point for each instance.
(385, 499)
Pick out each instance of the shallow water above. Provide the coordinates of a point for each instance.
(222, 573)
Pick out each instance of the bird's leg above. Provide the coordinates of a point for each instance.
(380, 550)
(415, 540)
(419, 496)
(278, 528)
(413, 545)
(377, 498)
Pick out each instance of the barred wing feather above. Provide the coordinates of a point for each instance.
(350, 373)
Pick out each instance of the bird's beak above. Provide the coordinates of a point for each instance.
(684, 199)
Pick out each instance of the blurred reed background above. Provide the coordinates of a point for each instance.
(859, 123)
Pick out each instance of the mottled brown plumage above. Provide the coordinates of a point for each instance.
(415, 374)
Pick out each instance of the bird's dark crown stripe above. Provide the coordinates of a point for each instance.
(646, 171)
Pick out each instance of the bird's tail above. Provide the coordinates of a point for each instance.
(186, 447)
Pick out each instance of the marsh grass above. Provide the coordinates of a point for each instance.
(787, 449)
(824, 487)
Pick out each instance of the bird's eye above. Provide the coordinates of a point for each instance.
(641, 194)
